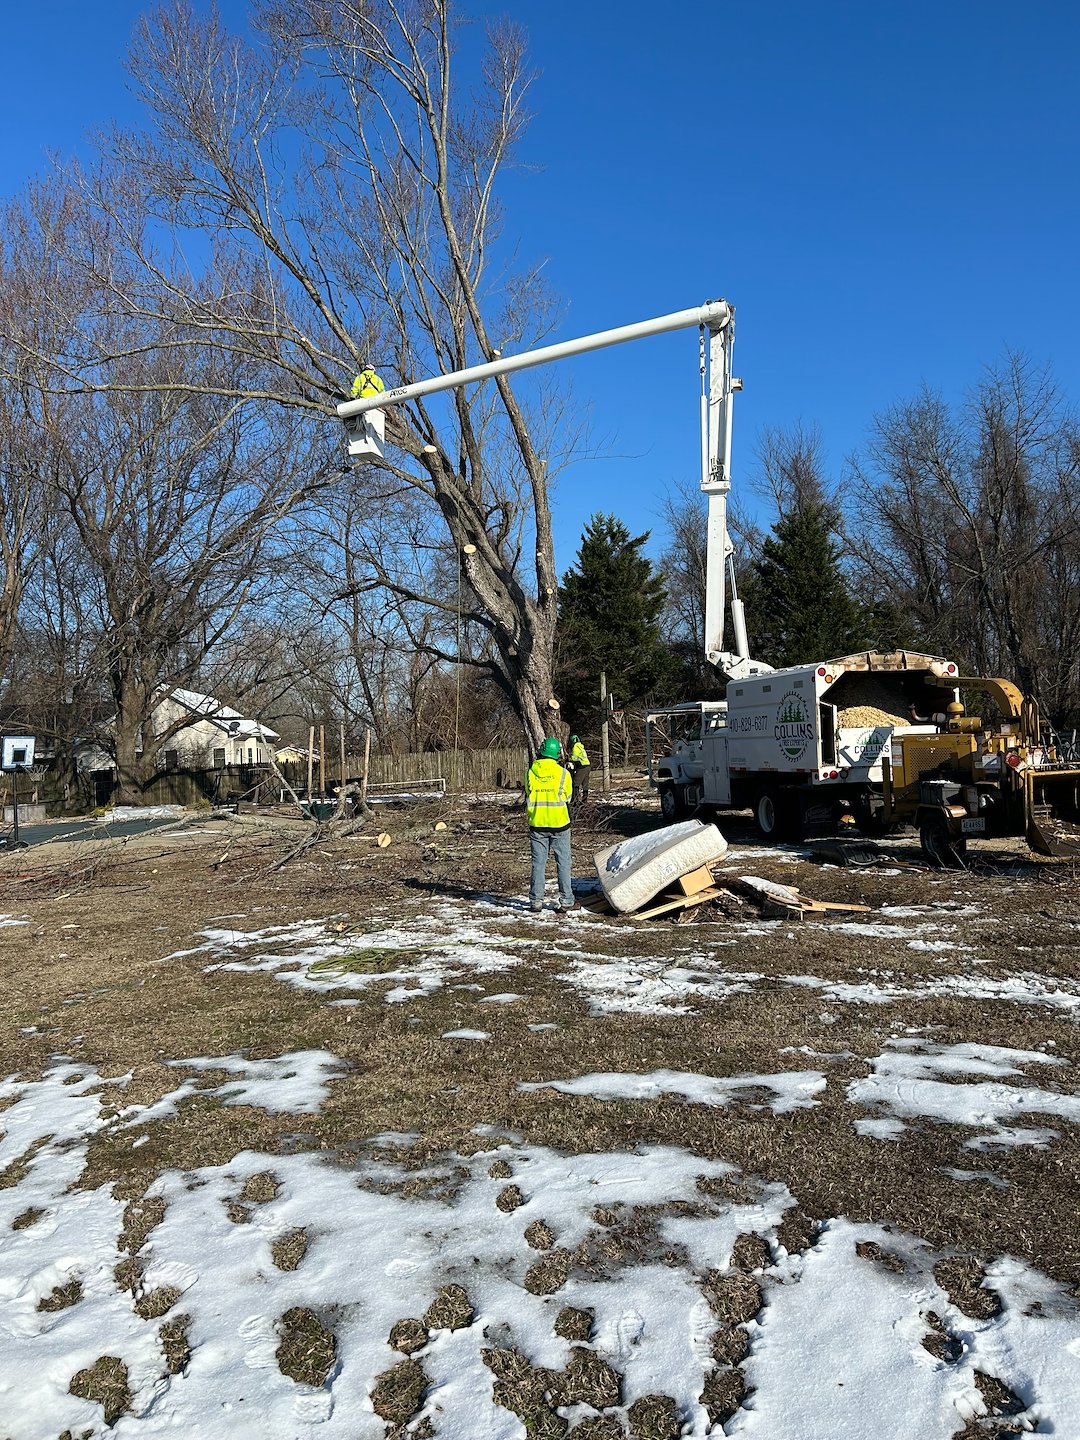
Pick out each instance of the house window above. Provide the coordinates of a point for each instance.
(172, 759)
(219, 759)
(251, 756)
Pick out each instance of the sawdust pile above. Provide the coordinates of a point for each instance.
(871, 701)
(860, 716)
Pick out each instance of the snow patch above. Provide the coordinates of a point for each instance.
(792, 1090)
(906, 1084)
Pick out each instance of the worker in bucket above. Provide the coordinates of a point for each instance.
(578, 765)
(367, 383)
(549, 789)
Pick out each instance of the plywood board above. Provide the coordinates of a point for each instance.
(696, 881)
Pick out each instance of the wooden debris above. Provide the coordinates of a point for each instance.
(677, 902)
(382, 840)
(696, 881)
(784, 902)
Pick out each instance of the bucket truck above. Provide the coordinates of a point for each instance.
(881, 736)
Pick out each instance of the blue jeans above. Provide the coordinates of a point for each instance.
(540, 842)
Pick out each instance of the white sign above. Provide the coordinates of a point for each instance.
(16, 752)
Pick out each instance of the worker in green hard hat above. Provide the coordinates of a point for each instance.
(367, 383)
(549, 789)
(578, 765)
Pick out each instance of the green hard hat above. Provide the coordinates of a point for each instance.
(573, 739)
(549, 750)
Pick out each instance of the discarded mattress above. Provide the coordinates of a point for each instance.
(635, 870)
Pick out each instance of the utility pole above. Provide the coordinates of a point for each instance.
(605, 755)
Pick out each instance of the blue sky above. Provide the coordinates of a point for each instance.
(887, 193)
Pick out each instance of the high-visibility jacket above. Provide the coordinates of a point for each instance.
(578, 755)
(548, 788)
(366, 384)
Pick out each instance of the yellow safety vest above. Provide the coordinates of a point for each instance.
(578, 755)
(548, 788)
(366, 384)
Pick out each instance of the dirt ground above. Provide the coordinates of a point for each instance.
(107, 971)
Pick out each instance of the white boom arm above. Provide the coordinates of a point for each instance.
(718, 318)
(716, 409)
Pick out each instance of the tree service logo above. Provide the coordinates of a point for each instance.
(794, 727)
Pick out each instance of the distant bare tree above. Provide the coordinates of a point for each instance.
(970, 518)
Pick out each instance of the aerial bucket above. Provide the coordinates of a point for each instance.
(366, 433)
(1053, 813)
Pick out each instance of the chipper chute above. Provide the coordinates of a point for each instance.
(1052, 805)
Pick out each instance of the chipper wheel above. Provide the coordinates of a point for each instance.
(944, 851)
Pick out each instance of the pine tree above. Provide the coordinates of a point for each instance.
(801, 605)
(610, 603)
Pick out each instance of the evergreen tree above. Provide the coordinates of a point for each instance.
(802, 607)
(610, 603)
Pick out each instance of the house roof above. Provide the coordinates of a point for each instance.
(228, 720)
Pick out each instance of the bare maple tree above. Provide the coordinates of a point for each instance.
(344, 199)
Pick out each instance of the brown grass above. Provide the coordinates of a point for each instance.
(887, 1259)
(598, 1427)
(408, 1336)
(30, 1216)
(62, 1297)
(260, 1189)
(574, 1324)
(397, 1393)
(405, 1078)
(509, 1198)
(962, 1278)
(450, 1310)
(750, 1252)
(586, 1380)
(288, 1250)
(156, 1303)
(654, 1417)
(722, 1394)
(735, 1299)
(175, 1344)
(549, 1273)
(307, 1350)
(539, 1235)
(106, 1383)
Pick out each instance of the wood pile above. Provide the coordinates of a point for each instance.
(700, 886)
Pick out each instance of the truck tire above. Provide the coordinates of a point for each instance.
(672, 803)
(943, 851)
(767, 814)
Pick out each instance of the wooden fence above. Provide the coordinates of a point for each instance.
(460, 770)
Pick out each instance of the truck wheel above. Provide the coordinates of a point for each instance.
(672, 803)
(940, 848)
(767, 815)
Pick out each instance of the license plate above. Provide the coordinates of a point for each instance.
(973, 827)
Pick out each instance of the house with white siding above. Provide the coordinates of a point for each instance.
(212, 735)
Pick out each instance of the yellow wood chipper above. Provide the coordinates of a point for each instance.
(978, 779)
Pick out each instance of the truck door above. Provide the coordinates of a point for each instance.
(716, 780)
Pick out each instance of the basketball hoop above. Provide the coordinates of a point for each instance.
(617, 716)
